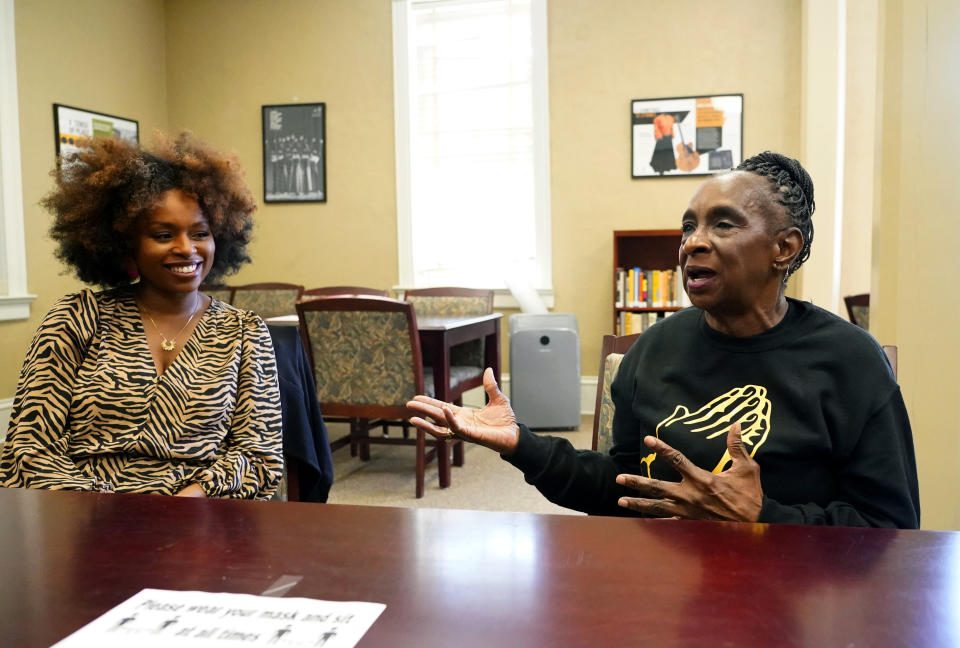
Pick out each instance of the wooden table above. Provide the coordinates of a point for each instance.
(439, 334)
(468, 578)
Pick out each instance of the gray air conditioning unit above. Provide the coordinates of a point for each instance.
(545, 370)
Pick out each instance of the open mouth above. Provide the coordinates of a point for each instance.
(185, 269)
(699, 277)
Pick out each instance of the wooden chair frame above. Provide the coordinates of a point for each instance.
(362, 415)
(891, 352)
(856, 300)
(327, 291)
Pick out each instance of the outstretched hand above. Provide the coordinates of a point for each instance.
(494, 426)
(735, 494)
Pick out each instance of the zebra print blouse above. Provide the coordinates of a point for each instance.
(91, 413)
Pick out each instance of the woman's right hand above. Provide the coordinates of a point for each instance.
(494, 426)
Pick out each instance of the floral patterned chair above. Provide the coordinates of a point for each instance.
(611, 353)
(858, 308)
(267, 299)
(218, 291)
(329, 291)
(365, 354)
(466, 360)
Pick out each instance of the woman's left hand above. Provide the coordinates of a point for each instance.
(735, 494)
(193, 490)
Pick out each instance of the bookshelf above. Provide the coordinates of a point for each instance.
(649, 250)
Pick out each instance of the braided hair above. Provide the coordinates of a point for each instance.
(794, 190)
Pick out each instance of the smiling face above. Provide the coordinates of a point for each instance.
(733, 234)
(173, 246)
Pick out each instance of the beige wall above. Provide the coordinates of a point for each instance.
(600, 57)
(602, 54)
(99, 54)
(227, 59)
(224, 60)
(917, 303)
(861, 124)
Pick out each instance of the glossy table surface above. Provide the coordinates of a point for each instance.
(466, 578)
(448, 323)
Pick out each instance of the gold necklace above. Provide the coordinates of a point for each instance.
(171, 344)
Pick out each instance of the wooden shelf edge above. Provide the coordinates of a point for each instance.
(647, 309)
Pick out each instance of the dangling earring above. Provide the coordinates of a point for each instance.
(782, 267)
(134, 274)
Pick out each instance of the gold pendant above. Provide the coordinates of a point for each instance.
(167, 345)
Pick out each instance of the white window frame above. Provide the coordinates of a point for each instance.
(541, 152)
(14, 299)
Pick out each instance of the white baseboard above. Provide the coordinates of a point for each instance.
(588, 393)
(6, 404)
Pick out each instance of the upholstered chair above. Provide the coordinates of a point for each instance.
(365, 354)
(612, 351)
(267, 299)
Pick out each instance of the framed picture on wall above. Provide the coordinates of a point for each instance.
(686, 136)
(294, 153)
(73, 124)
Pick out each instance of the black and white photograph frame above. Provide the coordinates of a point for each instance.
(294, 153)
(685, 136)
(71, 125)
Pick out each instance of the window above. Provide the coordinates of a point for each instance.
(472, 135)
(14, 300)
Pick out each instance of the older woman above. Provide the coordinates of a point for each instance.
(749, 406)
(148, 386)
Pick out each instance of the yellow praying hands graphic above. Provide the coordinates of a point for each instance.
(748, 405)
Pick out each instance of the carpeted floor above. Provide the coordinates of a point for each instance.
(485, 482)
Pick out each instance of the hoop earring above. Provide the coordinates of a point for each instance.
(133, 274)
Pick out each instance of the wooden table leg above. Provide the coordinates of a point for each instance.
(421, 460)
(491, 353)
(441, 385)
(443, 463)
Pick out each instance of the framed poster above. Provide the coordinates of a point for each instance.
(71, 124)
(294, 153)
(686, 136)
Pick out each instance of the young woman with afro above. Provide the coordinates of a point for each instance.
(148, 385)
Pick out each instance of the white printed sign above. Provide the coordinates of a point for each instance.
(171, 619)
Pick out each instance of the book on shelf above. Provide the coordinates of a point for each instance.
(683, 299)
(618, 288)
(648, 282)
(629, 323)
(638, 288)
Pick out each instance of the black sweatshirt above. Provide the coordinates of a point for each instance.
(820, 412)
